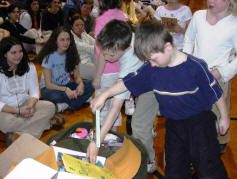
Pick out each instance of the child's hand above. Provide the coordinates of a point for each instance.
(32, 110)
(96, 83)
(215, 72)
(26, 111)
(80, 89)
(224, 125)
(92, 152)
(70, 94)
(97, 103)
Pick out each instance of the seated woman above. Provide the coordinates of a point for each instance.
(68, 20)
(31, 18)
(85, 46)
(52, 17)
(18, 31)
(59, 58)
(21, 111)
(85, 11)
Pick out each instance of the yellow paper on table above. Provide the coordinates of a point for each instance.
(79, 167)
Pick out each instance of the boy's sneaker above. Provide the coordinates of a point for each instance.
(61, 107)
(222, 148)
(129, 106)
(57, 121)
(151, 166)
(154, 133)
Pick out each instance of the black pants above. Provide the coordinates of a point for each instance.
(193, 140)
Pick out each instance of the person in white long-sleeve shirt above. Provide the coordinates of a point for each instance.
(211, 36)
(85, 46)
(21, 111)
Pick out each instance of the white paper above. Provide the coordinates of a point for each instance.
(32, 169)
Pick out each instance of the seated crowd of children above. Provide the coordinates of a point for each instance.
(151, 50)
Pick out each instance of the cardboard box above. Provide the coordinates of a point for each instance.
(26, 146)
(124, 163)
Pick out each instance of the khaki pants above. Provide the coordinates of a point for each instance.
(44, 111)
(143, 119)
(226, 87)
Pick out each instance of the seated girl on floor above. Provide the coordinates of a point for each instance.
(21, 111)
(59, 59)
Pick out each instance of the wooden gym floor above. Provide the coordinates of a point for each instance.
(229, 157)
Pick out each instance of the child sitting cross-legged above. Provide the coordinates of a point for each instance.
(60, 61)
(186, 91)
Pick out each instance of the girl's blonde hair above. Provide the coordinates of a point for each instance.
(129, 12)
(233, 7)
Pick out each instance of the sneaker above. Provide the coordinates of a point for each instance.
(57, 121)
(222, 148)
(151, 166)
(154, 133)
(129, 106)
(61, 107)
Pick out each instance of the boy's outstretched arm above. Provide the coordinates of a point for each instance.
(98, 72)
(224, 122)
(98, 102)
(111, 116)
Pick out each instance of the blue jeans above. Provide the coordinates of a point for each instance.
(56, 96)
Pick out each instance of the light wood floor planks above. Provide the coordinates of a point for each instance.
(229, 157)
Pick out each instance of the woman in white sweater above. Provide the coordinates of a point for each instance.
(21, 111)
(211, 36)
(85, 46)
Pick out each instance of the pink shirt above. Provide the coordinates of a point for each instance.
(100, 22)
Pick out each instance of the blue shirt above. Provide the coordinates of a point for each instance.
(56, 64)
(71, 4)
(182, 91)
